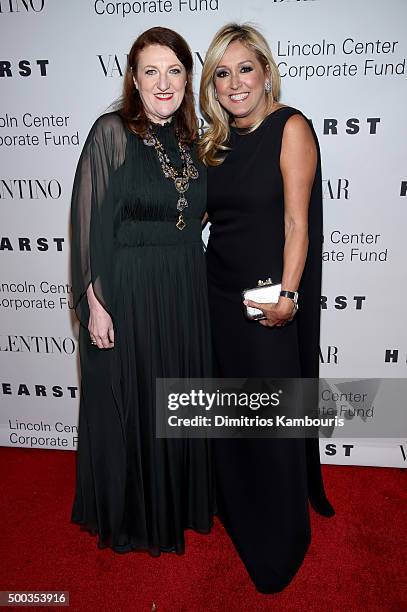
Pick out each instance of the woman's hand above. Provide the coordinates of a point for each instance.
(277, 315)
(101, 328)
(100, 323)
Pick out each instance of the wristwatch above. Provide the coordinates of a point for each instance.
(293, 295)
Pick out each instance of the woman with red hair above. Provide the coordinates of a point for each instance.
(139, 286)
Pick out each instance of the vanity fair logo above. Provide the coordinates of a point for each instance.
(335, 189)
(38, 390)
(49, 345)
(23, 68)
(40, 245)
(21, 6)
(328, 354)
(30, 189)
(343, 302)
(114, 65)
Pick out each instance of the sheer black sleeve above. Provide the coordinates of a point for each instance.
(92, 211)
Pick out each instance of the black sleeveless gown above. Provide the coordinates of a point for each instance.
(263, 485)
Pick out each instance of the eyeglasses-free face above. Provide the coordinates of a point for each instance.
(160, 79)
(240, 84)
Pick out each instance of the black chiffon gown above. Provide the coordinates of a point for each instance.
(135, 491)
(263, 485)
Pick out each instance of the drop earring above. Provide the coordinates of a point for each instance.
(216, 95)
(267, 86)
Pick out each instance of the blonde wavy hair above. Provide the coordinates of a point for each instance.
(214, 139)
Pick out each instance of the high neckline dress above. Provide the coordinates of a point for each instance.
(263, 485)
(136, 491)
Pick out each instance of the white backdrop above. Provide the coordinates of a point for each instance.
(342, 63)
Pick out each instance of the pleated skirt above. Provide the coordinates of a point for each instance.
(137, 491)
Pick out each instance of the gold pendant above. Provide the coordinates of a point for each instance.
(181, 184)
(180, 224)
(192, 172)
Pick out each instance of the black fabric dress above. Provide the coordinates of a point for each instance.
(263, 485)
(138, 492)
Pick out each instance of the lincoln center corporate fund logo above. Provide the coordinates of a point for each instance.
(153, 7)
(347, 57)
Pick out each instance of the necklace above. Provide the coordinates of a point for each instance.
(179, 176)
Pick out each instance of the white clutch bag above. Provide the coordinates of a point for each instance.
(264, 293)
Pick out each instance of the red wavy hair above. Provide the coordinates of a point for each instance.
(131, 107)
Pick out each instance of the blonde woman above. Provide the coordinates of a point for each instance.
(265, 209)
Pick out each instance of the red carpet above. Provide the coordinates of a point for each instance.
(356, 561)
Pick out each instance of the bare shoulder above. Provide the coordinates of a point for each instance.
(299, 154)
(298, 141)
(297, 128)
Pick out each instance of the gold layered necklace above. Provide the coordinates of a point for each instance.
(180, 176)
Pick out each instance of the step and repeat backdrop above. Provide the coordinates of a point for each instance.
(61, 65)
